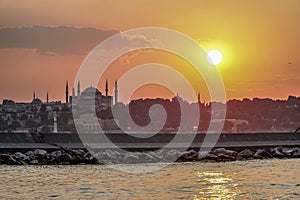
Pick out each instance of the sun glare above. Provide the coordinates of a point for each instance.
(214, 57)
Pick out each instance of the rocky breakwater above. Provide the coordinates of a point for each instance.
(223, 155)
(75, 157)
(42, 157)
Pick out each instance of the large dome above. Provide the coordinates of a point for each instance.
(91, 91)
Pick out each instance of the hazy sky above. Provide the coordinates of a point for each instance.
(42, 43)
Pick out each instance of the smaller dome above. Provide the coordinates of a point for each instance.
(91, 91)
(37, 101)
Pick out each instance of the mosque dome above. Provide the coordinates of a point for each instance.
(90, 91)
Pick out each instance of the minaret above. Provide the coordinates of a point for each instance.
(106, 88)
(33, 95)
(73, 92)
(67, 92)
(199, 101)
(116, 92)
(78, 89)
(47, 98)
(55, 122)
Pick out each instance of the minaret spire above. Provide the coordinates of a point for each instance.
(116, 92)
(47, 98)
(106, 88)
(78, 89)
(67, 92)
(33, 95)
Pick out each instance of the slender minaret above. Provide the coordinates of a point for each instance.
(199, 107)
(116, 92)
(55, 122)
(73, 92)
(106, 88)
(199, 101)
(67, 92)
(78, 89)
(33, 95)
(47, 98)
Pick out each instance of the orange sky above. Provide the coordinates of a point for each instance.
(259, 41)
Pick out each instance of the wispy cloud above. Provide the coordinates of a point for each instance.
(137, 37)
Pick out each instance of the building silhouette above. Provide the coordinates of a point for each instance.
(91, 98)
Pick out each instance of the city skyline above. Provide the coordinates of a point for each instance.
(259, 43)
(112, 93)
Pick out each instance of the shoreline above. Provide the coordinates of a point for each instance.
(83, 157)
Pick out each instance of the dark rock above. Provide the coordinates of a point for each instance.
(74, 152)
(189, 156)
(19, 154)
(226, 157)
(79, 152)
(34, 162)
(40, 152)
(262, 153)
(92, 160)
(30, 154)
(87, 155)
(258, 154)
(22, 157)
(296, 152)
(224, 154)
(66, 157)
(224, 151)
(277, 152)
(247, 153)
(214, 157)
(288, 152)
(56, 154)
(75, 160)
(12, 160)
(54, 161)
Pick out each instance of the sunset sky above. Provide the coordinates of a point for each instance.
(43, 43)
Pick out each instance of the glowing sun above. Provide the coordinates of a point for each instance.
(214, 57)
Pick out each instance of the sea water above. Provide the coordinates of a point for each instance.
(256, 179)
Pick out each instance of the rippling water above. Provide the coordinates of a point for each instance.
(264, 179)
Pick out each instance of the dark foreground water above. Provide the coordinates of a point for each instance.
(263, 179)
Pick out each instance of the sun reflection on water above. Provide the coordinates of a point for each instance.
(265, 179)
(215, 186)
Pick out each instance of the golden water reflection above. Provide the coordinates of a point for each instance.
(215, 186)
(264, 179)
